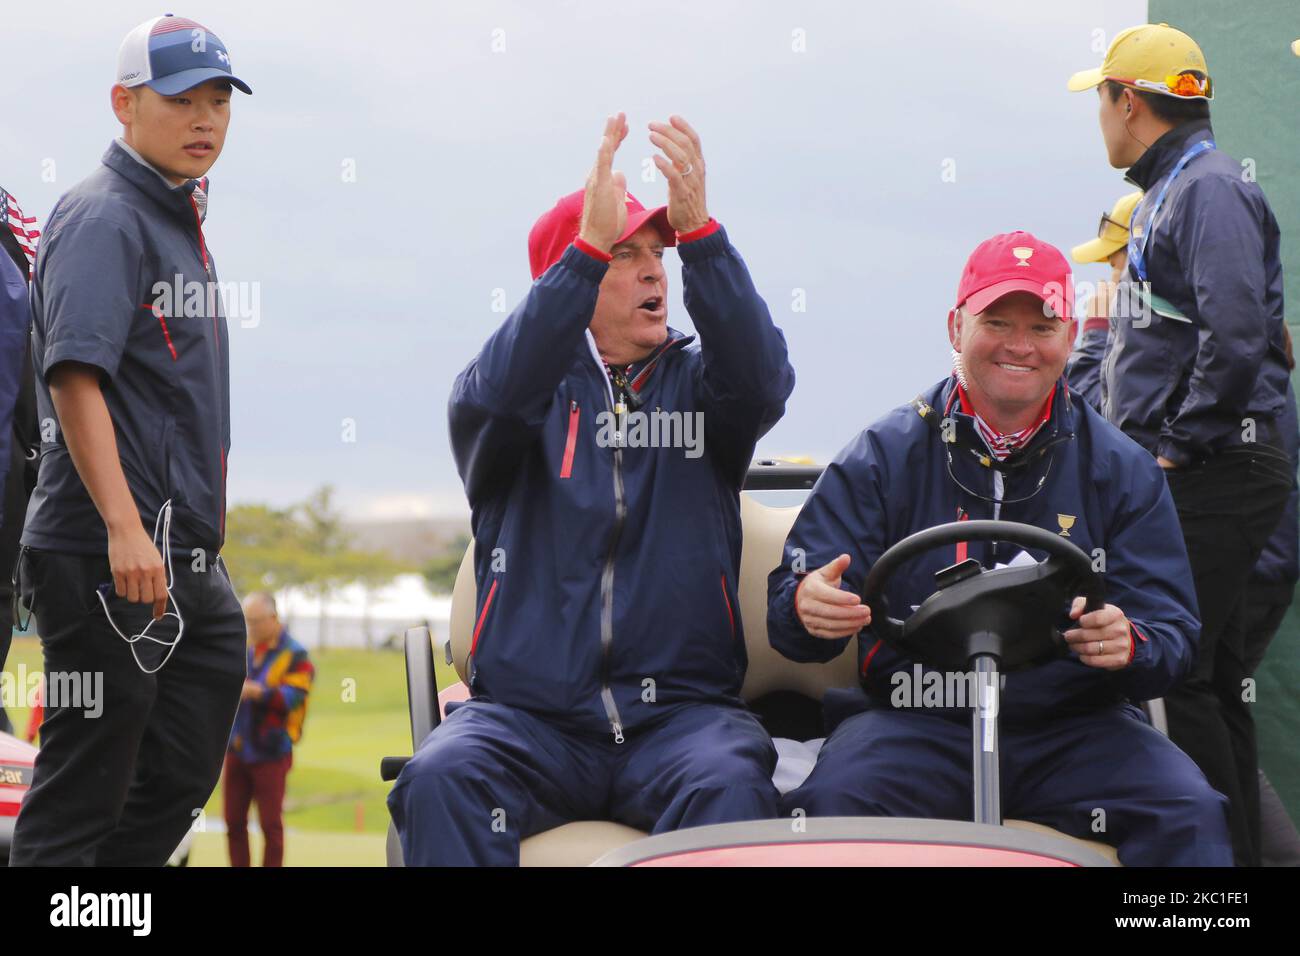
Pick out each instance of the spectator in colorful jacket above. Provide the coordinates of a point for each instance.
(1005, 438)
(603, 456)
(268, 724)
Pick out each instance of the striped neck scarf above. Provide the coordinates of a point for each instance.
(1000, 445)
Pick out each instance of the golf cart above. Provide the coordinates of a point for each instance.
(17, 759)
(982, 620)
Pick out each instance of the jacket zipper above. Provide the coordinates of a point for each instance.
(203, 246)
(571, 442)
(216, 343)
(607, 575)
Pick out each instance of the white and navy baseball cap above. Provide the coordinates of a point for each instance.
(171, 54)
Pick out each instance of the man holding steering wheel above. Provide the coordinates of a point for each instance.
(1004, 438)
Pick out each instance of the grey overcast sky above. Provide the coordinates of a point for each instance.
(828, 129)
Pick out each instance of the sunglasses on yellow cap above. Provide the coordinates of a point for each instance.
(1189, 83)
(1106, 220)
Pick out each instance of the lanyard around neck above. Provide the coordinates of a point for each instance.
(1137, 248)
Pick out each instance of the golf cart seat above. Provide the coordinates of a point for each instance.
(583, 842)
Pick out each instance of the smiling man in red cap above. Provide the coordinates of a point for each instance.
(603, 455)
(1004, 438)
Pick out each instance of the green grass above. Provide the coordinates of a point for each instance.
(335, 808)
(300, 849)
(25, 652)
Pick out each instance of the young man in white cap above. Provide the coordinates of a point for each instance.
(1197, 374)
(121, 550)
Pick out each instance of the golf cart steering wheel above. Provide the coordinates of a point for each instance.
(1010, 613)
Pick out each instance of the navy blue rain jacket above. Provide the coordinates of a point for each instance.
(1181, 387)
(893, 481)
(1279, 563)
(607, 576)
(15, 320)
(115, 246)
(1083, 370)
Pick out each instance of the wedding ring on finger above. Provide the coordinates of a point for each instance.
(687, 170)
(1101, 648)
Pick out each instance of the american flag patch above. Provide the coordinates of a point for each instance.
(23, 227)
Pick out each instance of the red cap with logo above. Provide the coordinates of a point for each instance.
(558, 227)
(1017, 262)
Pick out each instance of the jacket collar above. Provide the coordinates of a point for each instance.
(970, 446)
(640, 372)
(173, 199)
(1165, 152)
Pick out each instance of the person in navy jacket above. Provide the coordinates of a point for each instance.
(121, 546)
(603, 454)
(1004, 437)
(1196, 370)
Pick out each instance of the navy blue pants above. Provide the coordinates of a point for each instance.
(491, 775)
(1105, 776)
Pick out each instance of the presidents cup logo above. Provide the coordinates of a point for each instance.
(1022, 253)
(1066, 522)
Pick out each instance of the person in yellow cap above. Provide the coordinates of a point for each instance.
(1196, 372)
(1110, 245)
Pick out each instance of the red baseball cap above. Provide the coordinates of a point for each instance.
(1017, 262)
(558, 227)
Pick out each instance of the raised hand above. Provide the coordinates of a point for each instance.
(604, 207)
(682, 164)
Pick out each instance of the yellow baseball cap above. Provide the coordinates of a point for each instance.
(1153, 57)
(1112, 232)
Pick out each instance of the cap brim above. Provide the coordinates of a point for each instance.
(188, 79)
(1095, 250)
(658, 217)
(1295, 47)
(977, 302)
(1085, 80)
